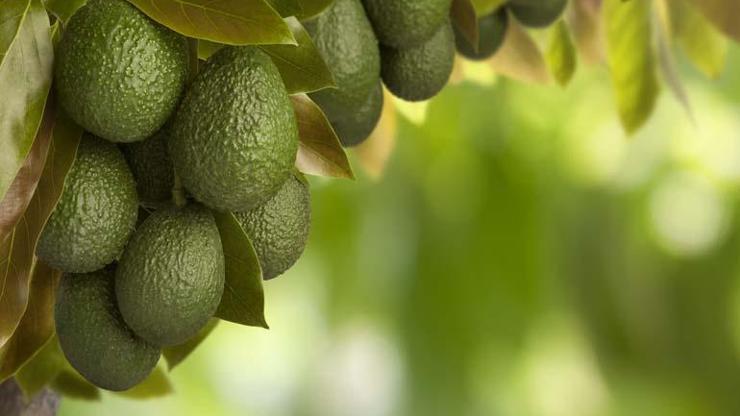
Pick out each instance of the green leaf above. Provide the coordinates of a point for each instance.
(37, 325)
(631, 60)
(231, 22)
(312, 8)
(243, 301)
(69, 383)
(157, 384)
(485, 7)
(18, 247)
(63, 9)
(319, 151)
(41, 369)
(519, 57)
(286, 7)
(175, 355)
(723, 13)
(463, 16)
(302, 67)
(705, 47)
(206, 49)
(26, 57)
(561, 54)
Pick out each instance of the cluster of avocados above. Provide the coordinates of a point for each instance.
(163, 150)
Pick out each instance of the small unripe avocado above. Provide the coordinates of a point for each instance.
(357, 127)
(420, 73)
(234, 138)
(94, 337)
(151, 165)
(537, 13)
(405, 24)
(96, 212)
(279, 228)
(118, 73)
(170, 279)
(492, 32)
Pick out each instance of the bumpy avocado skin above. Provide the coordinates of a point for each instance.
(357, 127)
(234, 138)
(94, 337)
(96, 212)
(279, 228)
(345, 39)
(492, 32)
(421, 72)
(537, 13)
(405, 24)
(118, 73)
(170, 279)
(151, 165)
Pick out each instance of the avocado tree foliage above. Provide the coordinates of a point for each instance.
(529, 40)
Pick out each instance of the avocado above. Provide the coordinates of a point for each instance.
(537, 13)
(279, 228)
(404, 24)
(93, 336)
(96, 212)
(118, 73)
(234, 138)
(357, 127)
(419, 73)
(492, 32)
(170, 278)
(151, 165)
(345, 39)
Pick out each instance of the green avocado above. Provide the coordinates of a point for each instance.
(492, 32)
(96, 212)
(118, 73)
(170, 278)
(405, 24)
(537, 13)
(279, 228)
(357, 127)
(151, 165)
(420, 73)
(234, 138)
(345, 39)
(93, 336)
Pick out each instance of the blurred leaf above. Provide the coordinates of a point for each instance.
(26, 57)
(373, 154)
(302, 67)
(175, 355)
(668, 68)
(63, 9)
(484, 7)
(561, 54)
(464, 17)
(702, 43)
(69, 383)
(17, 249)
(232, 22)
(286, 7)
(519, 57)
(243, 301)
(723, 13)
(585, 24)
(631, 60)
(313, 7)
(41, 369)
(37, 325)
(157, 384)
(319, 151)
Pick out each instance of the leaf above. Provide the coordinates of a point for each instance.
(175, 355)
(41, 369)
(463, 16)
(286, 7)
(631, 60)
(668, 66)
(206, 48)
(319, 151)
(312, 8)
(302, 67)
(63, 9)
(723, 13)
(485, 7)
(231, 22)
(69, 383)
(519, 57)
(586, 26)
(17, 249)
(157, 384)
(705, 47)
(37, 325)
(561, 54)
(373, 153)
(243, 301)
(26, 56)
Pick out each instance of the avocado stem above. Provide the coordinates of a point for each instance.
(178, 193)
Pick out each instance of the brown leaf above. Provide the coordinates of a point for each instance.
(584, 19)
(723, 13)
(375, 152)
(519, 57)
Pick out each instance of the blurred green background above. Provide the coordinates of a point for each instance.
(521, 256)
